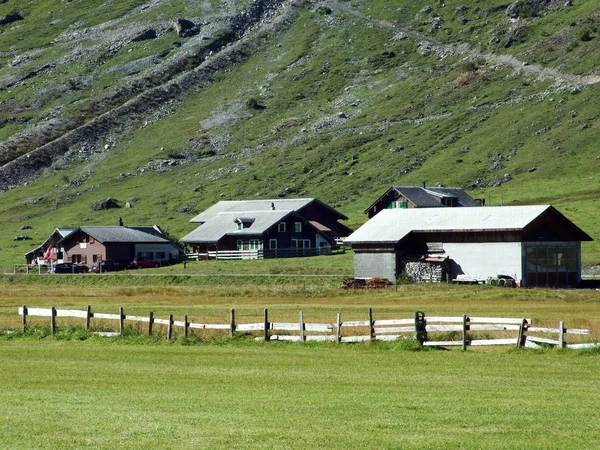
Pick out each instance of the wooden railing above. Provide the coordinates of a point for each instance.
(260, 254)
(431, 331)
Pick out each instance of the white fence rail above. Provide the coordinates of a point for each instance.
(260, 254)
(433, 331)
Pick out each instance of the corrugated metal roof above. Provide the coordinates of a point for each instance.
(123, 234)
(244, 207)
(223, 224)
(391, 225)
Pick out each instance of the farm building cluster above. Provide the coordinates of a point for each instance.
(427, 234)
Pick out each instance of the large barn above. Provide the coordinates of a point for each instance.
(536, 245)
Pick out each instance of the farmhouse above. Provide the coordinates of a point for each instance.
(408, 197)
(267, 228)
(86, 245)
(536, 245)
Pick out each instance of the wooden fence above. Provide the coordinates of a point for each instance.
(261, 253)
(431, 331)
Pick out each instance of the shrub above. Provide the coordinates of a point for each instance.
(584, 34)
(252, 103)
(467, 66)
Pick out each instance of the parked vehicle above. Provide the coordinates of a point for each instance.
(109, 265)
(144, 263)
(69, 268)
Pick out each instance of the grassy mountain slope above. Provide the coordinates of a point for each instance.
(336, 100)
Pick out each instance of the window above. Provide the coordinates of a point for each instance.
(254, 244)
(273, 244)
(92, 240)
(160, 255)
(281, 227)
(298, 227)
(240, 245)
(300, 243)
(76, 259)
(551, 266)
(398, 205)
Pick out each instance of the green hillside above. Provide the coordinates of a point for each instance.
(335, 100)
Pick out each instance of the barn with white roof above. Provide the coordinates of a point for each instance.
(536, 245)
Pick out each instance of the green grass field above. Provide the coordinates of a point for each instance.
(97, 395)
(76, 390)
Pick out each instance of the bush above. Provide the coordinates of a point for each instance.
(585, 34)
(252, 103)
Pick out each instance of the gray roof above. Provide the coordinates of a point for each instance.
(224, 223)
(419, 196)
(124, 234)
(392, 225)
(243, 207)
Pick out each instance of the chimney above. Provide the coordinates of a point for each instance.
(120, 222)
(424, 184)
(273, 206)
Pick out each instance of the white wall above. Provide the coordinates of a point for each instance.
(486, 259)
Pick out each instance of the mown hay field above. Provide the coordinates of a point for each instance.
(216, 392)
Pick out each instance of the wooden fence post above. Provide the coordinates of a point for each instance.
(371, 329)
(88, 318)
(561, 334)
(420, 331)
(302, 336)
(338, 327)
(53, 320)
(170, 328)
(24, 318)
(231, 322)
(121, 320)
(464, 332)
(186, 326)
(266, 327)
(150, 323)
(521, 335)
